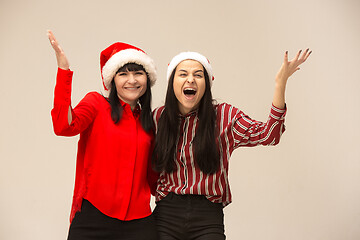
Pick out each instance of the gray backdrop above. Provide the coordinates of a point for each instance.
(308, 187)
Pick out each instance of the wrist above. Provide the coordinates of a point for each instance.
(280, 86)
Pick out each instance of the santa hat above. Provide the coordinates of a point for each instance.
(117, 55)
(190, 56)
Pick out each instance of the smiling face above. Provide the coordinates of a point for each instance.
(130, 86)
(189, 85)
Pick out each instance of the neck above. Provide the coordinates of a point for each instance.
(131, 103)
(183, 111)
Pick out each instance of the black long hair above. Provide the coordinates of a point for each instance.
(206, 151)
(145, 100)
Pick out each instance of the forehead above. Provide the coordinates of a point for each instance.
(189, 65)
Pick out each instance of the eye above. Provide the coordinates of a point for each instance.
(182, 74)
(122, 74)
(139, 73)
(198, 75)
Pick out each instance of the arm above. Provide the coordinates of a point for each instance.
(61, 59)
(287, 69)
(81, 116)
(237, 129)
(68, 121)
(249, 132)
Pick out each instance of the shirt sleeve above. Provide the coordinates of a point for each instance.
(249, 132)
(156, 114)
(152, 177)
(82, 115)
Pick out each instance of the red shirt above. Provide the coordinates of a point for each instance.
(112, 159)
(235, 130)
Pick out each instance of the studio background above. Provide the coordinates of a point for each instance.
(307, 187)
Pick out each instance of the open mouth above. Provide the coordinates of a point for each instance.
(189, 92)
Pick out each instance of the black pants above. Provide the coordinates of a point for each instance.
(189, 217)
(90, 223)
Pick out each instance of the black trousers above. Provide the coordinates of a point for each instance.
(189, 217)
(91, 224)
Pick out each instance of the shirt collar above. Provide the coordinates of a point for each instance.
(126, 107)
(123, 104)
(189, 114)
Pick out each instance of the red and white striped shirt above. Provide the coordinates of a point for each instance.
(235, 130)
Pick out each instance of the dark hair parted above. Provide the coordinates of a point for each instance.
(145, 100)
(206, 153)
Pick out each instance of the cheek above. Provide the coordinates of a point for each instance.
(118, 81)
(144, 82)
(202, 86)
(144, 85)
(177, 89)
(143, 90)
(201, 95)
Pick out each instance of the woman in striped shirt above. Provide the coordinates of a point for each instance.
(194, 141)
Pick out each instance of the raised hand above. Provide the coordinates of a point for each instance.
(289, 68)
(61, 58)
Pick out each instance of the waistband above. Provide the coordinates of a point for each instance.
(188, 199)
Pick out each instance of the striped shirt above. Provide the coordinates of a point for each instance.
(235, 129)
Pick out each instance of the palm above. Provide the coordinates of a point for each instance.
(288, 68)
(60, 55)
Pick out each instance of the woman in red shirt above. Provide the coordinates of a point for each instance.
(195, 138)
(111, 194)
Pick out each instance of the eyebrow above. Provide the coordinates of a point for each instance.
(195, 71)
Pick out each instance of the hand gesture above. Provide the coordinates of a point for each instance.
(289, 68)
(62, 61)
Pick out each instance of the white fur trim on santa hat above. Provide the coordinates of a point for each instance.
(190, 56)
(123, 57)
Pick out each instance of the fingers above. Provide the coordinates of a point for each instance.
(54, 43)
(50, 34)
(51, 37)
(305, 55)
(60, 55)
(297, 55)
(286, 57)
(299, 58)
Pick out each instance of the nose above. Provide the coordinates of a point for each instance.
(132, 78)
(190, 79)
